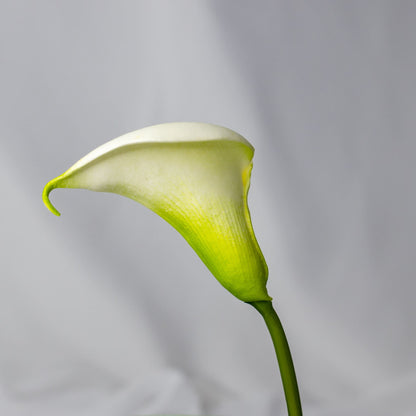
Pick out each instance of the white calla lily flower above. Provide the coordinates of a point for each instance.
(194, 175)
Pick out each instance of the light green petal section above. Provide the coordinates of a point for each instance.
(194, 175)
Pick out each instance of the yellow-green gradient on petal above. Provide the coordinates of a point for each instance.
(194, 175)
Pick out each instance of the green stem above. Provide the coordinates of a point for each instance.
(284, 358)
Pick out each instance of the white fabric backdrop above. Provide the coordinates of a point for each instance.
(107, 311)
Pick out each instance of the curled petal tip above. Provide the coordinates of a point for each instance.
(45, 197)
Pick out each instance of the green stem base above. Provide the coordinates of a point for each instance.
(284, 358)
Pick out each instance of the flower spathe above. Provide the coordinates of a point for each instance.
(194, 175)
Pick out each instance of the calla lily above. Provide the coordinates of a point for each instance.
(194, 175)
